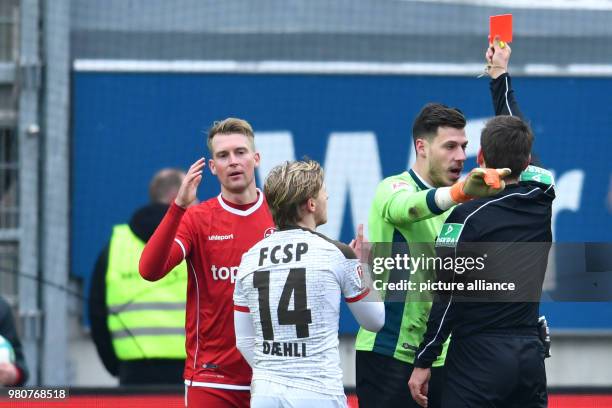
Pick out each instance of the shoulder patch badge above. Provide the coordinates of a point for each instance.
(537, 174)
(401, 185)
(449, 235)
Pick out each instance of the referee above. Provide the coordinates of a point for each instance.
(496, 358)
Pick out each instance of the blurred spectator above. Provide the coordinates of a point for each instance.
(138, 326)
(11, 374)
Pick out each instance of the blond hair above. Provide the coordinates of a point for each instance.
(230, 126)
(290, 185)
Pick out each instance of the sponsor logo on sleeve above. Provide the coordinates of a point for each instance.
(359, 271)
(537, 174)
(449, 236)
(401, 185)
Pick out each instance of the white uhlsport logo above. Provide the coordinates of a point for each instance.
(220, 237)
(269, 232)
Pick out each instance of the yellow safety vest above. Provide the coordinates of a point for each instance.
(146, 319)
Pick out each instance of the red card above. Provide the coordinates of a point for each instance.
(502, 26)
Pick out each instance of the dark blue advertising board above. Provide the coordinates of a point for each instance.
(125, 126)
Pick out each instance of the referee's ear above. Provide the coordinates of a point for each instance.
(528, 162)
(480, 158)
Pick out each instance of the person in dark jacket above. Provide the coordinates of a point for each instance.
(138, 326)
(496, 356)
(11, 374)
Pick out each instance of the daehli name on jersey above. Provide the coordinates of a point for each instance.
(288, 250)
(284, 349)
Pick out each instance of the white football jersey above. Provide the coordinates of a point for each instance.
(291, 283)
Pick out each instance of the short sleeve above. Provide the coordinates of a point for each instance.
(240, 301)
(351, 278)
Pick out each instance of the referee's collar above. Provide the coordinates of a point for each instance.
(423, 185)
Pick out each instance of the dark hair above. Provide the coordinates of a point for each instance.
(506, 142)
(433, 116)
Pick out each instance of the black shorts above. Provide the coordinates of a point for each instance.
(495, 370)
(382, 382)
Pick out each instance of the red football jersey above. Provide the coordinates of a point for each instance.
(212, 237)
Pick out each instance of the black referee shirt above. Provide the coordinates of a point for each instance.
(514, 229)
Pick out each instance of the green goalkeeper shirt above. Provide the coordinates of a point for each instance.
(405, 214)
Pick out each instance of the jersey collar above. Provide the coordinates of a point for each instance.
(242, 213)
(420, 182)
(295, 227)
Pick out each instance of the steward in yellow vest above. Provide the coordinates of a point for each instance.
(138, 327)
(146, 319)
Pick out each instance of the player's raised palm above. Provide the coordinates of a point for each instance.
(360, 245)
(189, 187)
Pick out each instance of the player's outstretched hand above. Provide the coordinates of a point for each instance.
(479, 183)
(189, 187)
(419, 385)
(498, 57)
(360, 245)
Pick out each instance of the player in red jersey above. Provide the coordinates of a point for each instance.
(212, 236)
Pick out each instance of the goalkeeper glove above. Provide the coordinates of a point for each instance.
(478, 183)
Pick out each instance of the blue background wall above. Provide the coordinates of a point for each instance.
(126, 126)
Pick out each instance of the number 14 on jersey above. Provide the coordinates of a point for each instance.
(300, 316)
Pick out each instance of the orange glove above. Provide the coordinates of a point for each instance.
(479, 183)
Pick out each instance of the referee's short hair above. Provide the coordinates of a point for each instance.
(230, 126)
(290, 185)
(506, 141)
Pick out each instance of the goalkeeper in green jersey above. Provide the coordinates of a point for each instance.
(409, 209)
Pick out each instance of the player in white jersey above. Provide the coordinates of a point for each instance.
(287, 297)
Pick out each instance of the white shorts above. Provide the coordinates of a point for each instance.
(267, 394)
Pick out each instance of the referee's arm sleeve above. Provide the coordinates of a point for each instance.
(502, 94)
(439, 327)
(505, 103)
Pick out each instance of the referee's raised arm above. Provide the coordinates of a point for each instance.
(502, 94)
